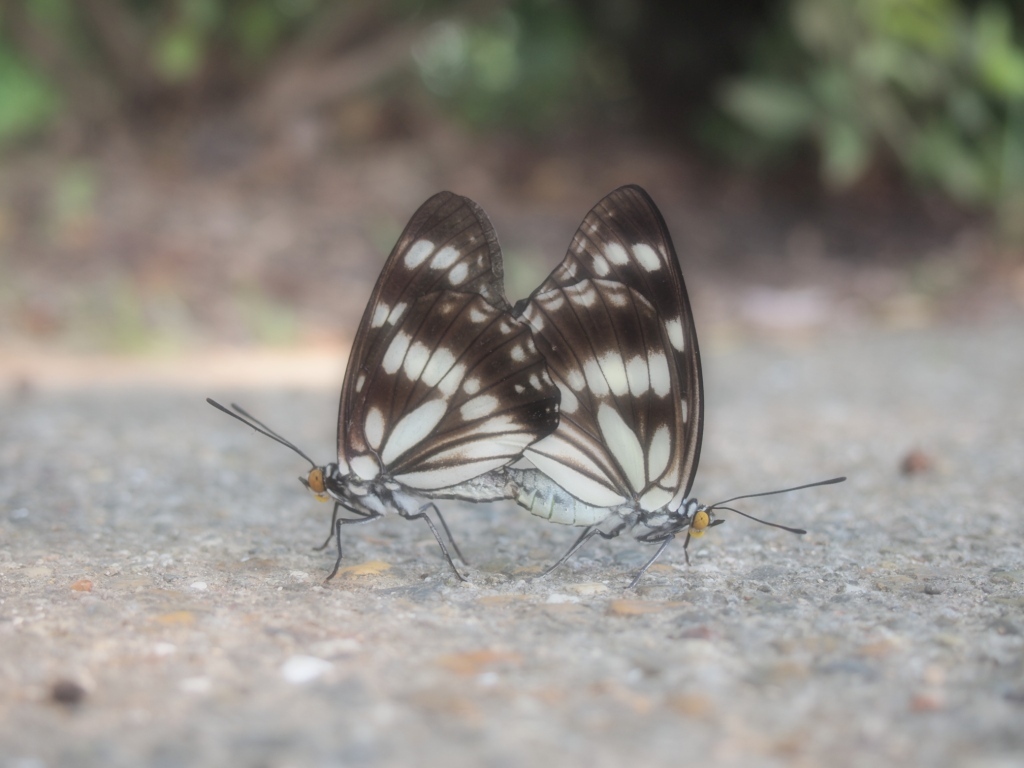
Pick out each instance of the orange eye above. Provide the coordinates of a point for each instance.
(315, 479)
(701, 520)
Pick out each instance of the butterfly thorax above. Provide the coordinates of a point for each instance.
(691, 517)
(373, 497)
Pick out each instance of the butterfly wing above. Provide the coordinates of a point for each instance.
(614, 323)
(442, 384)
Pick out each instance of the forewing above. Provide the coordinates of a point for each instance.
(442, 384)
(459, 389)
(614, 322)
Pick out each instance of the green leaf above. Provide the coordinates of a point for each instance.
(179, 54)
(771, 108)
(846, 151)
(28, 101)
(1000, 63)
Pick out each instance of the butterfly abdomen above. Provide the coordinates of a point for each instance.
(539, 495)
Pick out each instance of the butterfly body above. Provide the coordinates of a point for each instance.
(614, 324)
(594, 379)
(443, 385)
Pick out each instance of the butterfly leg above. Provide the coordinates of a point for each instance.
(588, 533)
(338, 522)
(448, 533)
(657, 554)
(330, 535)
(422, 515)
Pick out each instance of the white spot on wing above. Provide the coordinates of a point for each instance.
(418, 253)
(503, 423)
(476, 316)
(439, 364)
(623, 444)
(414, 427)
(365, 466)
(478, 407)
(661, 379)
(396, 352)
(472, 386)
(655, 499)
(416, 360)
(614, 372)
(518, 354)
(380, 314)
(575, 379)
(569, 401)
(360, 381)
(647, 257)
(636, 372)
(452, 379)
(601, 265)
(585, 292)
(397, 312)
(674, 327)
(552, 301)
(595, 378)
(615, 294)
(458, 273)
(616, 254)
(684, 410)
(658, 452)
(374, 427)
(444, 258)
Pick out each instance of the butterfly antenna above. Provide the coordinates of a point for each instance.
(721, 504)
(831, 481)
(765, 522)
(254, 423)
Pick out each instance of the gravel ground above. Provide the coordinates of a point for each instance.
(161, 604)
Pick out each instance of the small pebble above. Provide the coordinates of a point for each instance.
(916, 462)
(557, 598)
(302, 669)
(588, 588)
(198, 685)
(67, 692)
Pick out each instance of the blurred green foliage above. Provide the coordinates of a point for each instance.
(526, 65)
(938, 85)
(27, 101)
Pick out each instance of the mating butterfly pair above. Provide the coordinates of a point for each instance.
(595, 379)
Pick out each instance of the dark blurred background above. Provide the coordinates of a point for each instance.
(194, 173)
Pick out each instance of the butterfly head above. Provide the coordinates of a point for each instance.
(691, 517)
(700, 520)
(316, 482)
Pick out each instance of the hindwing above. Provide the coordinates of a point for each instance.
(442, 383)
(614, 323)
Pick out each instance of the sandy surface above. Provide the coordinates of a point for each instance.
(160, 602)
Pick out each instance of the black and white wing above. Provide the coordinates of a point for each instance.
(614, 323)
(442, 384)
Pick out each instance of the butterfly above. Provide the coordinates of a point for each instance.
(443, 384)
(614, 324)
